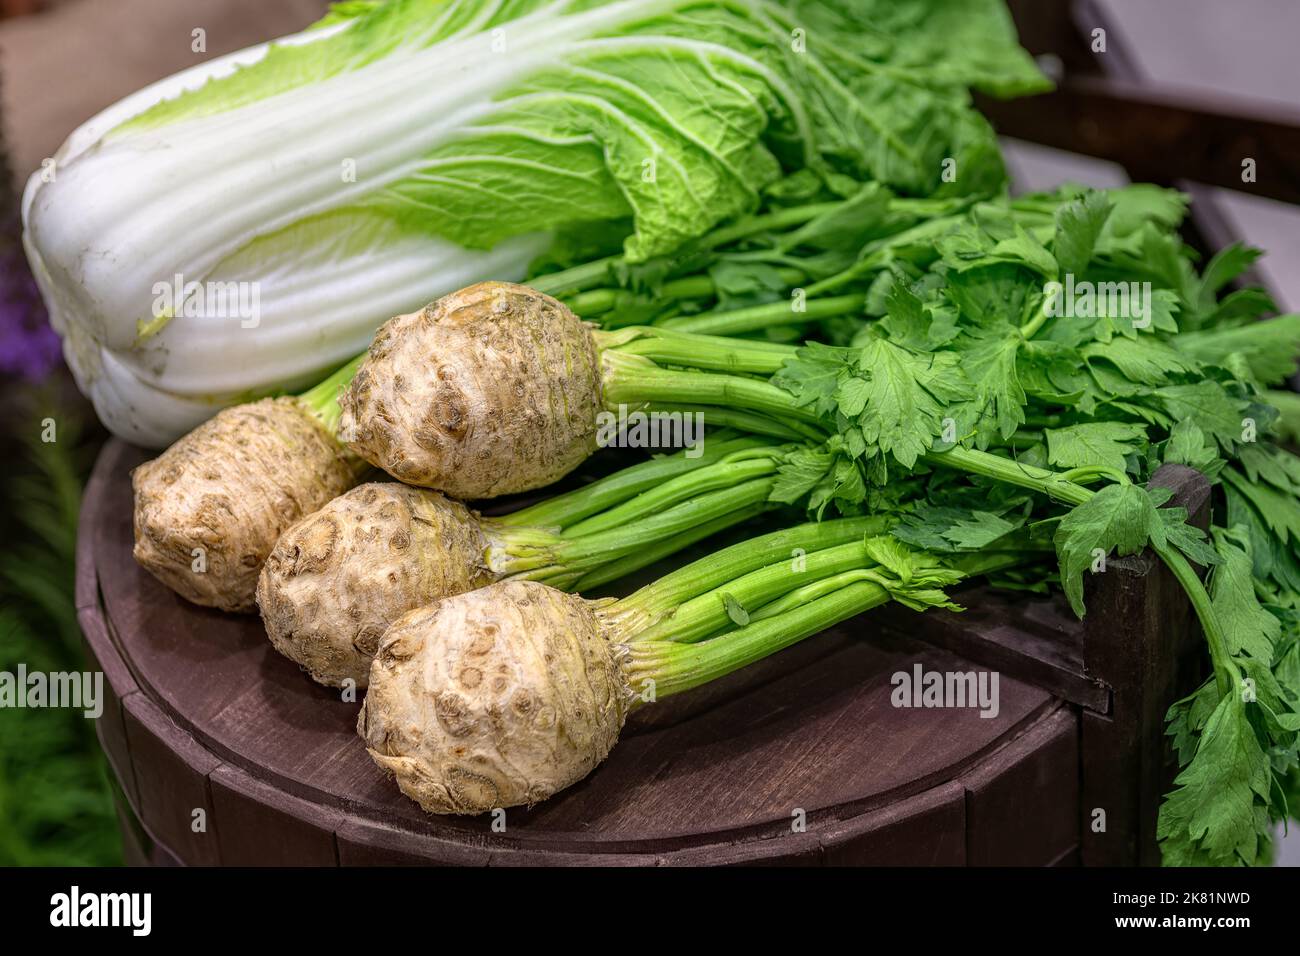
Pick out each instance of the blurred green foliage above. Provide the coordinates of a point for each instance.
(56, 804)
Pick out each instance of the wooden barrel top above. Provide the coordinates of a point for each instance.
(228, 753)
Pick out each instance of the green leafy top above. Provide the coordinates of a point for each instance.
(988, 344)
(674, 113)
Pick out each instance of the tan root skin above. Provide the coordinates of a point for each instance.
(339, 577)
(490, 390)
(499, 697)
(230, 487)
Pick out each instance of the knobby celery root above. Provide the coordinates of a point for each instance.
(209, 509)
(481, 420)
(494, 388)
(506, 695)
(339, 577)
(495, 372)
(494, 698)
(497, 388)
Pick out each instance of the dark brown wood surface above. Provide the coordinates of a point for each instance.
(1039, 641)
(229, 754)
(1142, 640)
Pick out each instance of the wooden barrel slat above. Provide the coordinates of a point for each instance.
(217, 720)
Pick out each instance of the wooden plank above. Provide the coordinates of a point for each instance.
(106, 471)
(172, 773)
(928, 829)
(1035, 639)
(780, 848)
(259, 825)
(119, 683)
(366, 843)
(1039, 769)
(1141, 639)
(1070, 858)
(135, 849)
(110, 728)
(924, 830)
(817, 736)
(1109, 808)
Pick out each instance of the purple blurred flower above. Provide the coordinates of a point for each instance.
(28, 346)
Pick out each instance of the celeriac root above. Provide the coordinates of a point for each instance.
(210, 508)
(338, 577)
(499, 697)
(495, 372)
(506, 695)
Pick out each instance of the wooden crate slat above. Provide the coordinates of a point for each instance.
(1040, 768)
(923, 830)
(1141, 638)
(172, 772)
(261, 825)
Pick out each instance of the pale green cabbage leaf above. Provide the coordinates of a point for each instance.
(401, 149)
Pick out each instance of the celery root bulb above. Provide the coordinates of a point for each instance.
(490, 390)
(338, 577)
(209, 509)
(498, 697)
